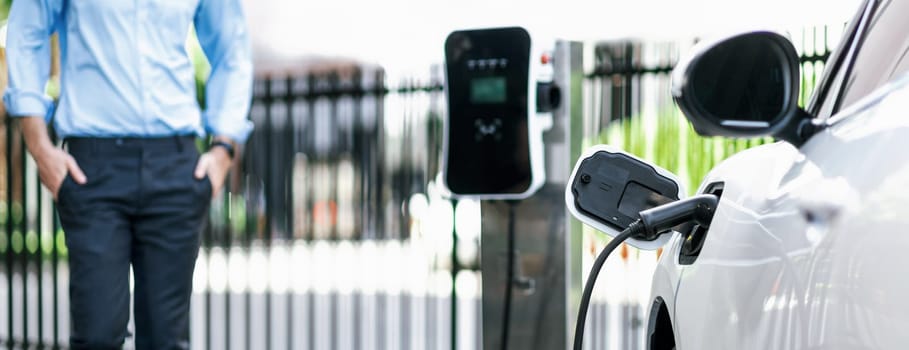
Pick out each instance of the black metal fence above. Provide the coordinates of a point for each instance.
(316, 214)
(327, 174)
(337, 120)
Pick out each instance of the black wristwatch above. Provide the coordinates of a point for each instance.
(226, 145)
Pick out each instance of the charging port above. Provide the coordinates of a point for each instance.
(695, 236)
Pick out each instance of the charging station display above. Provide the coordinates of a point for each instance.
(488, 87)
(488, 90)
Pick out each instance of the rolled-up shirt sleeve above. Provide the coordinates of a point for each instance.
(31, 23)
(221, 28)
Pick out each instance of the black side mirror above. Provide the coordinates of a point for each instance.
(745, 85)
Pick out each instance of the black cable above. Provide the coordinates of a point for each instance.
(653, 223)
(509, 275)
(635, 228)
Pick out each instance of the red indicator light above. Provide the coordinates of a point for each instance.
(545, 59)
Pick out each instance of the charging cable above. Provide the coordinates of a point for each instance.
(653, 223)
(509, 274)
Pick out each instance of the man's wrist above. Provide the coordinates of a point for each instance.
(39, 149)
(220, 153)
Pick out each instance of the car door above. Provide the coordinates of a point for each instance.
(804, 251)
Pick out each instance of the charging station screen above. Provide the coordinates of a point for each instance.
(488, 90)
(488, 150)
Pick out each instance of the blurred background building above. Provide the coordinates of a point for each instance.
(333, 232)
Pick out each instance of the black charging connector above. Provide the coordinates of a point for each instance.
(652, 223)
(698, 210)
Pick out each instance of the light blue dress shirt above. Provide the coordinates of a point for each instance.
(125, 71)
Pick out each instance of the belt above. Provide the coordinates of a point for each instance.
(100, 145)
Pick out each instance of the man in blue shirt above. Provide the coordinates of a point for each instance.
(131, 187)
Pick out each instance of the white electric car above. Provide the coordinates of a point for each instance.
(809, 246)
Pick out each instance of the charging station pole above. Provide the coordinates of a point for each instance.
(547, 272)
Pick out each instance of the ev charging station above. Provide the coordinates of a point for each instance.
(513, 104)
(500, 101)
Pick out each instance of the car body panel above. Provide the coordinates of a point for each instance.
(806, 247)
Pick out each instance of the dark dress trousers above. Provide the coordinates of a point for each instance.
(141, 207)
